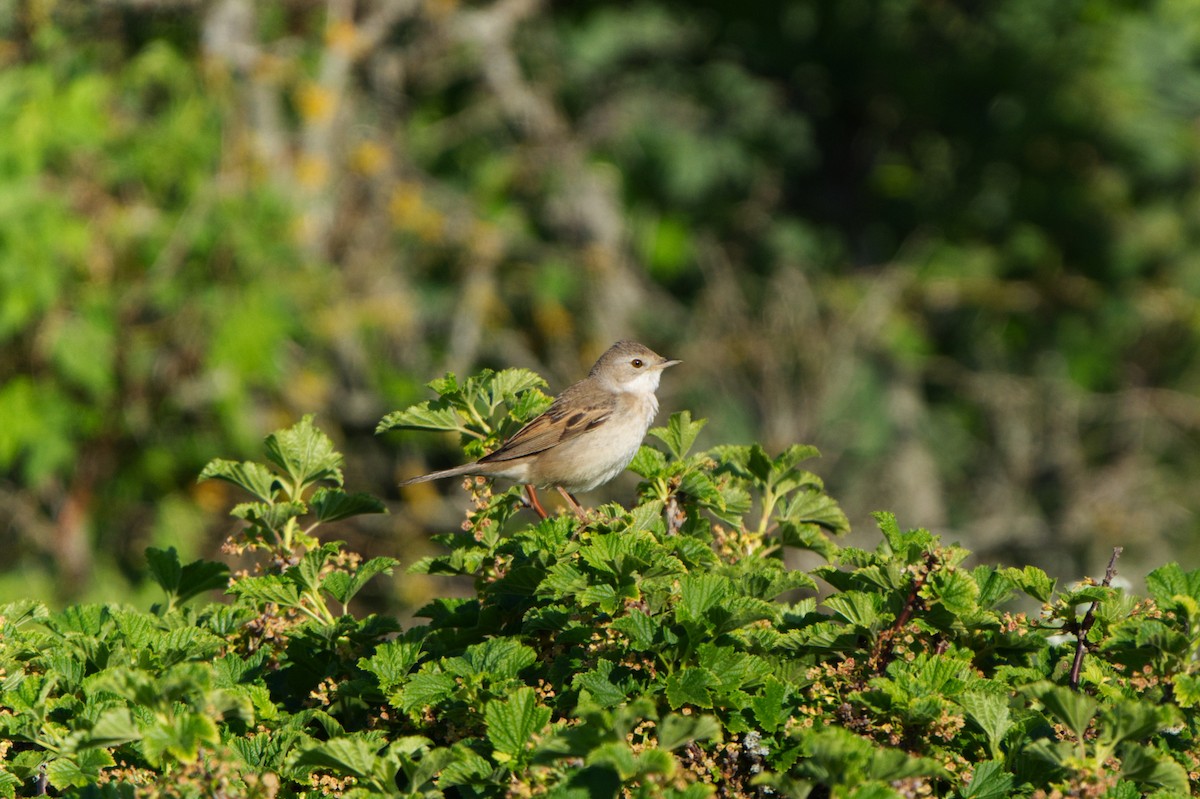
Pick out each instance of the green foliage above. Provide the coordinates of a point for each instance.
(666, 650)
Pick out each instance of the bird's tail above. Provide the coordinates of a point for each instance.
(466, 468)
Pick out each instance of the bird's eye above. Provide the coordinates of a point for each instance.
(637, 363)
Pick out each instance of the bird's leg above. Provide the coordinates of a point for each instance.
(533, 501)
(579, 511)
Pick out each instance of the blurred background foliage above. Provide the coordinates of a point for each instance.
(955, 245)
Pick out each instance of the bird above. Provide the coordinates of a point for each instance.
(587, 436)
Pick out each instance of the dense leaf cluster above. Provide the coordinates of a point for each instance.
(663, 650)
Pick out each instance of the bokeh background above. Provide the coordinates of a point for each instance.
(954, 244)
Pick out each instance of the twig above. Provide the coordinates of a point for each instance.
(1089, 619)
(879, 659)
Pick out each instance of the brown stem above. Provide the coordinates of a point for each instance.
(879, 657)
(1089, 618)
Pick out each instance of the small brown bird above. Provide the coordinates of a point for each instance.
(586, 437)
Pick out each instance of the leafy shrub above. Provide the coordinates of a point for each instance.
(665, 650)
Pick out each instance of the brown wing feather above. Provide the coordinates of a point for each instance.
(574, 412)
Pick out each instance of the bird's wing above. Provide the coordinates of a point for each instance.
(572, 414)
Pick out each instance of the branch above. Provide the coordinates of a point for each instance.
(1089, 619)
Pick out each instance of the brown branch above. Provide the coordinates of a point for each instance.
(1089, 619)
(880, 658)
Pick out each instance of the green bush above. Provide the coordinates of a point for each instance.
(665, 650)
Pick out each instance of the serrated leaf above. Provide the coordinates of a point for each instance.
(164, 568)
(990, 780)
(425, 689)
(1145, 766)
(332, 504)
(698, 593)
(860, 608)
(598, 682)
(1032, 581)
(995, 587)
(679, 434)
(392, 662)
(179, 736)
(648, 462)
(506, 384)
(1187, 690)
(814, 507)
(200, 576)
(1073, 710)
(113, 727)
(690, 686)
(512, 723)
(638, 627)
(768, 706)
(307, 573)
(254, 477)
(428, 415)
(497, 658)
(269, 588)
(78, 770)
(675, 730)
(357, 756)
(954, 590)
(1169, 581)
(272, 517)
(991, 713)
(342, 586)
(305, 453)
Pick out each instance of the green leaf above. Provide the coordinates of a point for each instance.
(512, 723)
(989, 780)
(648, 462)
(890, 528)
(254, 477)
(356, 756)
(1170, 581)
(496, 658)
(426, 689)
(598, 682)
(179, 736)
(505, 385)
(427, 415)
(115, 726)
(768, 707)
(1032, 581)
(269, 588)
(271, 517)
(953, 590)
(164, 567)
(638, 627)
(675, 730)
(698, 593)
(78, 770)
(690, 686)
(305, 453)
(1131, 721)
(991, 713)
(200, 576)
(1073, 710)
(332, 504)
(994, 586)
(679, 434)
(1187, 690)
(1145, 766)
(342, 586)
(392, 662)
(860, 608)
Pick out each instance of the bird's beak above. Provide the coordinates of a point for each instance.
(665, 364)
